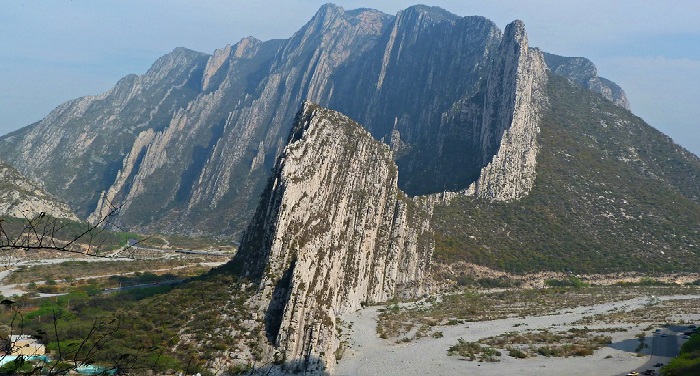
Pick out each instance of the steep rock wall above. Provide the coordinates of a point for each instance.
(425, 80)
(220, 121)
(216, 153)
(331, 232)
(515, 100)
(77, 150)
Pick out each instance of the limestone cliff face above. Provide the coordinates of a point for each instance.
(22, 198)
(486, 143)
(428, 61)
(215, 154)
(80, 145)
(582, 72)
(331, 232)
(515, 101)
(187, 147)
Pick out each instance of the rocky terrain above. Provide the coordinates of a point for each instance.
(22, 198)
(611, 195)
(582, 72)
(431, 151)
(332, 230)
(326, 239)
(621, 319)
(201, 132)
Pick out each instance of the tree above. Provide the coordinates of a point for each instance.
(26, 355)
(43, 232)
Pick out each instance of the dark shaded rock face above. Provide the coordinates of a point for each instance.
(188, 146)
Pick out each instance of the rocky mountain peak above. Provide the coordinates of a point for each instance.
(433, 13)
(584, 73)
(331, 231)
(325, 18)
(220, 61)
(328, 9)
(516, 31)
(202, 132)
(217, 59)
(514, 103)
(178, 56)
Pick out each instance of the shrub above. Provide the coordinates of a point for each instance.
(516, 352)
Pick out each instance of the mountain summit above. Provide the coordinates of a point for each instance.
(429, 148)
(466, 109)
(188, 146)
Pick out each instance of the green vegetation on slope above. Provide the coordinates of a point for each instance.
(688, 362)
(611, 194)
(139, 330)
(57, 232)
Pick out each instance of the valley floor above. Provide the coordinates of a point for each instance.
(23, 275)
(368, 354)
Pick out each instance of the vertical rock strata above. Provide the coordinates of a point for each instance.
(515, 99)
(215, 153)
(22, 198)
(108, 199)
(81, 144)
(331, 232)
(185, 147)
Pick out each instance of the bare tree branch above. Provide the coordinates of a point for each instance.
(45, 233)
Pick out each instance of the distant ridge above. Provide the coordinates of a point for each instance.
(22, 198)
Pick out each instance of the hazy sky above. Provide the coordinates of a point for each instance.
(53, 51)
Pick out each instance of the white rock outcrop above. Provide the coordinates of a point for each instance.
(22, 198)
(514, 104)
(332, 232)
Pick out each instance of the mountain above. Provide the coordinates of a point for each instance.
(187, 147)
(22, 198)
(611, 194)
(438, 145)
(80, 145)
(582, 72)
(332, 232)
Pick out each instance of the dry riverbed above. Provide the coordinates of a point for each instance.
(621, 319)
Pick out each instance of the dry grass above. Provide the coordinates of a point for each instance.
(654, 313)
(403, 322)
(575, 342)
(474, 351)
(70, 270)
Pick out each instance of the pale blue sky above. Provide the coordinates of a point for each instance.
(53, 51)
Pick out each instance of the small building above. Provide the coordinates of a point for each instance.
(22, 344)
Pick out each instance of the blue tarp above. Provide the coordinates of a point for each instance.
(95, 370)
(4, 359)
(85, 370)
